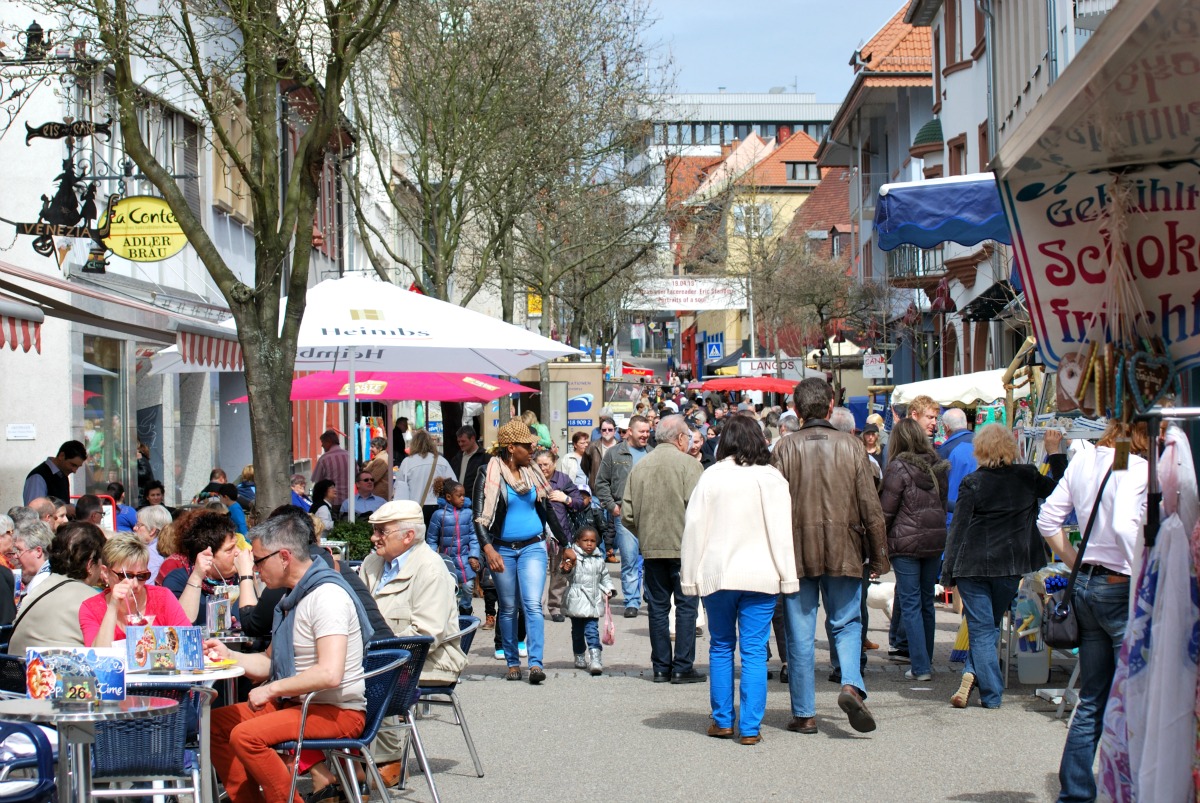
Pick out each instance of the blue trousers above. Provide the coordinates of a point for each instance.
(742, 619)
(841, 595)
(915, 578)
(631, 565)
(985, 599)
(585, 635)
(1102, 609)
(522, 581)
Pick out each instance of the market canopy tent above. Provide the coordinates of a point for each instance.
(383, 328)
(766, 384)
(961, 209)
(967, 390)
(386, 386)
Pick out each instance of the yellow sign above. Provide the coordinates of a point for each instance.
(533, 303)
(143, 228)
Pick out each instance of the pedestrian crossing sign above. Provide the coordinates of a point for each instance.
(714, 350)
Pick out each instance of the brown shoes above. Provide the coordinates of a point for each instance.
(611, 557)
(717, 732)
(960, 698)
(390, 772)
(861, 718)
(803, 725)
(755, 739)
(870, 645)
(490, 622)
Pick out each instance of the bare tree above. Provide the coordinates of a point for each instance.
(238, 61)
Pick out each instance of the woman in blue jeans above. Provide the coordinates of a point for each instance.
(737, 554)
(992, 542)
(913, 496)
(511, 519)
(1100, 596)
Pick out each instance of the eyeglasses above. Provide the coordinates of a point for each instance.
(366, 479)
(386, 532)
(141, 577)
(258, 561)
(15, 554)
(607, 429)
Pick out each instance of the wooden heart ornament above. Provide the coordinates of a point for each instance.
(1151, 377)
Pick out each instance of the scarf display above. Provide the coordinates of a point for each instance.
(283, 630)
(498, 475)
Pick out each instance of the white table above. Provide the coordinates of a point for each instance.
(208, 677)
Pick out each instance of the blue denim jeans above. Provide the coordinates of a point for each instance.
(841, 595)
(741, 618)
(915, 578)
(524, 578)
(585, 635)
(985, 599)
(897, 639)
(631, 566)
(1102, 609)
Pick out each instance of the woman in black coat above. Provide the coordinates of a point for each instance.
(993, 541)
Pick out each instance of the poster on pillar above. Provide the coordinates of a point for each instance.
(1063, 238)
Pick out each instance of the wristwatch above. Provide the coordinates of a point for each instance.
(242, 577)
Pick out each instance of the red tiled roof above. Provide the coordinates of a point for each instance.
(897, 47)
(684, 175)
(772, 171)
(828, 205)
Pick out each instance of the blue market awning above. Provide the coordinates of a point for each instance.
(961, 209)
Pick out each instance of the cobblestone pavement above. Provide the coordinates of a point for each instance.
(620, 736)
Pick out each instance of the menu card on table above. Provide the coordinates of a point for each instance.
(163, 649)
(75, 674)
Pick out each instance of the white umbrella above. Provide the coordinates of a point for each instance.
(359, 323)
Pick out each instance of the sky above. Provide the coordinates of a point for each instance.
(804, 45)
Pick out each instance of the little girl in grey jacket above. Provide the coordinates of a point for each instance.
(588, 584)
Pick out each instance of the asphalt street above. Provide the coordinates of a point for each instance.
(619, 736)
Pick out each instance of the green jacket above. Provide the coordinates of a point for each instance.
(656, 497)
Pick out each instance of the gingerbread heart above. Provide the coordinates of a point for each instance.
(1151, 377)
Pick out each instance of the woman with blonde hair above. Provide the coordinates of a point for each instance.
(1110, 486)
(128, 600)
(993, 541)
(530, 418)
(416, 478)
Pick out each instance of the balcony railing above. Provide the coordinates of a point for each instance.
(911, 265)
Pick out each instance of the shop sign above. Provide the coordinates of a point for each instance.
(143, 228)
(1062, 237)
(875, 366)
(787, 368)
(533, 304)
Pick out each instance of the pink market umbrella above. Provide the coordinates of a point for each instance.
(389, 386)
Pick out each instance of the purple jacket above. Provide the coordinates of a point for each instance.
(561, 482)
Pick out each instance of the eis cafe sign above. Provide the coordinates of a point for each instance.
(143, 228)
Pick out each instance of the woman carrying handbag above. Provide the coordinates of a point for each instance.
(1099, 596)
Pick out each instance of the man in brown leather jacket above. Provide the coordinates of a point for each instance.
(837, 526)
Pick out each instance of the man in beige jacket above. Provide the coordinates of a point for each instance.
(417, 597)
(653, 508)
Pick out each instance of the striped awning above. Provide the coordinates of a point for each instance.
(206, 351)
(20, 326)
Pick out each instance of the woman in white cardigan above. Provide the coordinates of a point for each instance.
(737, 554)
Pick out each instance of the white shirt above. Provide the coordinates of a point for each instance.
(1122, 512)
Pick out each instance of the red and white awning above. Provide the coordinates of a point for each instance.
(20, 326)
(208, 352)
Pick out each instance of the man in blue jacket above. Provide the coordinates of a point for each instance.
(959, 449)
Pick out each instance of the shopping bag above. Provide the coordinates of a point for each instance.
(962, 644)
(609, 634)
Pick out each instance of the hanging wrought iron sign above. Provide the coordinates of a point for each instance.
(69, 128)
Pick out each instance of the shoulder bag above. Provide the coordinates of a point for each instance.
(1060, 628)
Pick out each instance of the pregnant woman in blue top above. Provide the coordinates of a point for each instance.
(511, 518)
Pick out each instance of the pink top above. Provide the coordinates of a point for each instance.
(160, 603)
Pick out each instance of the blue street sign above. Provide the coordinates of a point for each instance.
(714, 350)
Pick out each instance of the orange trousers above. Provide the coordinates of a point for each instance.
(241, 745)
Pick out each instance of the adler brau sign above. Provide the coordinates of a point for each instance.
(144, 229)
(1063, 235)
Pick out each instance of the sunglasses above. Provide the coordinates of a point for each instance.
(258, 561)
(140, 577)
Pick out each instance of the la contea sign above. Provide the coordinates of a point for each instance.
(143, 228)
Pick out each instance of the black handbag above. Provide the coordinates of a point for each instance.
(1060, 628)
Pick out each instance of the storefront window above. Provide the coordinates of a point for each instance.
(111, 456)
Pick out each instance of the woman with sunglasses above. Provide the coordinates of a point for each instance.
(127, 600)
(209, 540)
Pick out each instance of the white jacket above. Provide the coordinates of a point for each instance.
(413, 475)
(737, 534)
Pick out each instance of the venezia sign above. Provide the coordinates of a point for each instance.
(143, 228)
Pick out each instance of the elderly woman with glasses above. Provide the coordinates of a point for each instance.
(151, 521)
(127, 600)
(50, 613)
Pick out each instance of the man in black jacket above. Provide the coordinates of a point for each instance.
(51, 477)
(471, 459)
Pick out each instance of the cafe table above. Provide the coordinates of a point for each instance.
(208, 677)
(76, 725)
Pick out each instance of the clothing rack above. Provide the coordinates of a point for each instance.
(1154, 418)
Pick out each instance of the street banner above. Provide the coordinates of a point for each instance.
(1061, 235)
(688, 293)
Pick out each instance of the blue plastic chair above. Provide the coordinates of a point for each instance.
(147, 750)
(382, 670)
(407, 695)
(444, 695)
(39, 785)
(6, 632)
